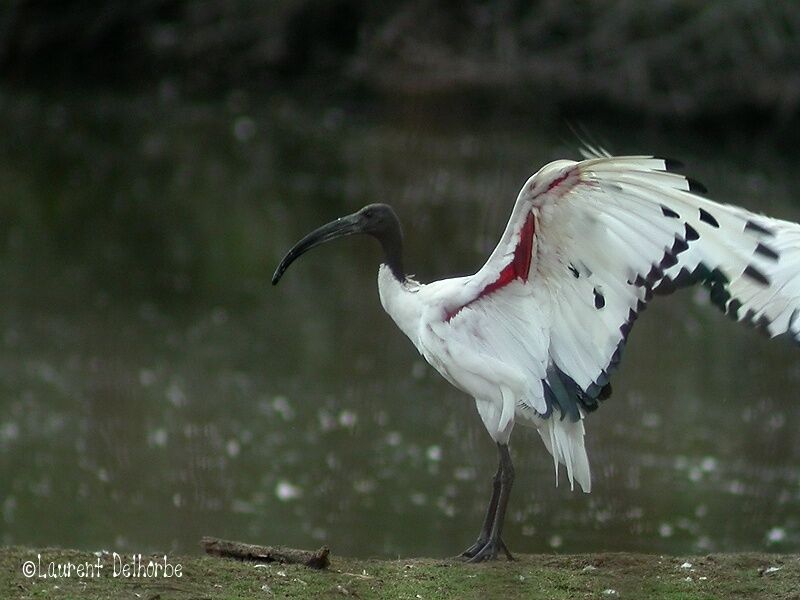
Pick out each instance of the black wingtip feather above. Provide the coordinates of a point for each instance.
(691, 233)
(696, 187)
(668, 212)
(756, 275)
(708, 218)
(755, 227)
(766, 251)
(672, 165)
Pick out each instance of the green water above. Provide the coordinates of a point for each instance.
(155, 388)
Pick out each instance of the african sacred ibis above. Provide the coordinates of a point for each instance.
(535, 333)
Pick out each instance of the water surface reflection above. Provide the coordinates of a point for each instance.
(155, 388)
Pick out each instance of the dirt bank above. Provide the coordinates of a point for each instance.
(607, 575)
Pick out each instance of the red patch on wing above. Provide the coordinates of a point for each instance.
(558, 180)
(518, 268)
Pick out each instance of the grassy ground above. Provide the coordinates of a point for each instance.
(750, 576)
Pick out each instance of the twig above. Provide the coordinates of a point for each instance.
(265, 554)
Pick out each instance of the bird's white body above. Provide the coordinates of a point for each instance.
(533, 335)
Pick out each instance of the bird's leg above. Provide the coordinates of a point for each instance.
(494, 544)
(488, 520)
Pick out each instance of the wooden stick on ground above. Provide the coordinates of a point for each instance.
(265, 554)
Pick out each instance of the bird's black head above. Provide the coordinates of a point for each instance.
(377, 220)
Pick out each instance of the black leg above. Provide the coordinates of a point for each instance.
(488, 520)
(490, 542)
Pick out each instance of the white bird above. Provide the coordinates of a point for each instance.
(534, 335)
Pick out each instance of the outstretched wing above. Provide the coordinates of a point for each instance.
(588, 243)
(766, 294)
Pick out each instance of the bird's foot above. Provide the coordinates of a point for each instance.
(474, 549)
(486, 550)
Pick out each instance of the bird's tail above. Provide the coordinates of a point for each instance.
(564, 440)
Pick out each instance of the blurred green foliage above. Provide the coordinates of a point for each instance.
(672, 58)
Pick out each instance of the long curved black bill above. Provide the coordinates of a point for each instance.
(335, 229)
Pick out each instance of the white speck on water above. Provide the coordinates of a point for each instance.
(348, 418)
(157, 438)
(609, 592)
(700, 299)
(434, 453)
(703, 543)
(555, 541)
(286, 491)
(364, 486)
(332, 461)
(219, 316)
(464, 473)
(776, 535)
(651, 420)
(665, 530)
(9, 432)
(776, 421)
(233, 448)
(446, 507)
(709, 464)
(418, 498)
(175, 394)
(522, 578)
(635, 512)
(381, 418)
(177, 499)
(686, 565)
(393, 438)
(736, 487)
(244, 128)
(703, 578)
(147, 377)
(280, 404)
(326, 421)
(242, 507)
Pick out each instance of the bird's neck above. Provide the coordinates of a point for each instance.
(401, 301)
(392, 242)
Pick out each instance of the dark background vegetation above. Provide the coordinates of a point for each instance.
(670, 59)
(105, 104)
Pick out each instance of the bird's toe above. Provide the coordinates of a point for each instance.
(474, 549)
(489, 551)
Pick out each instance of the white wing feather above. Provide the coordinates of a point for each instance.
(608, 231)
